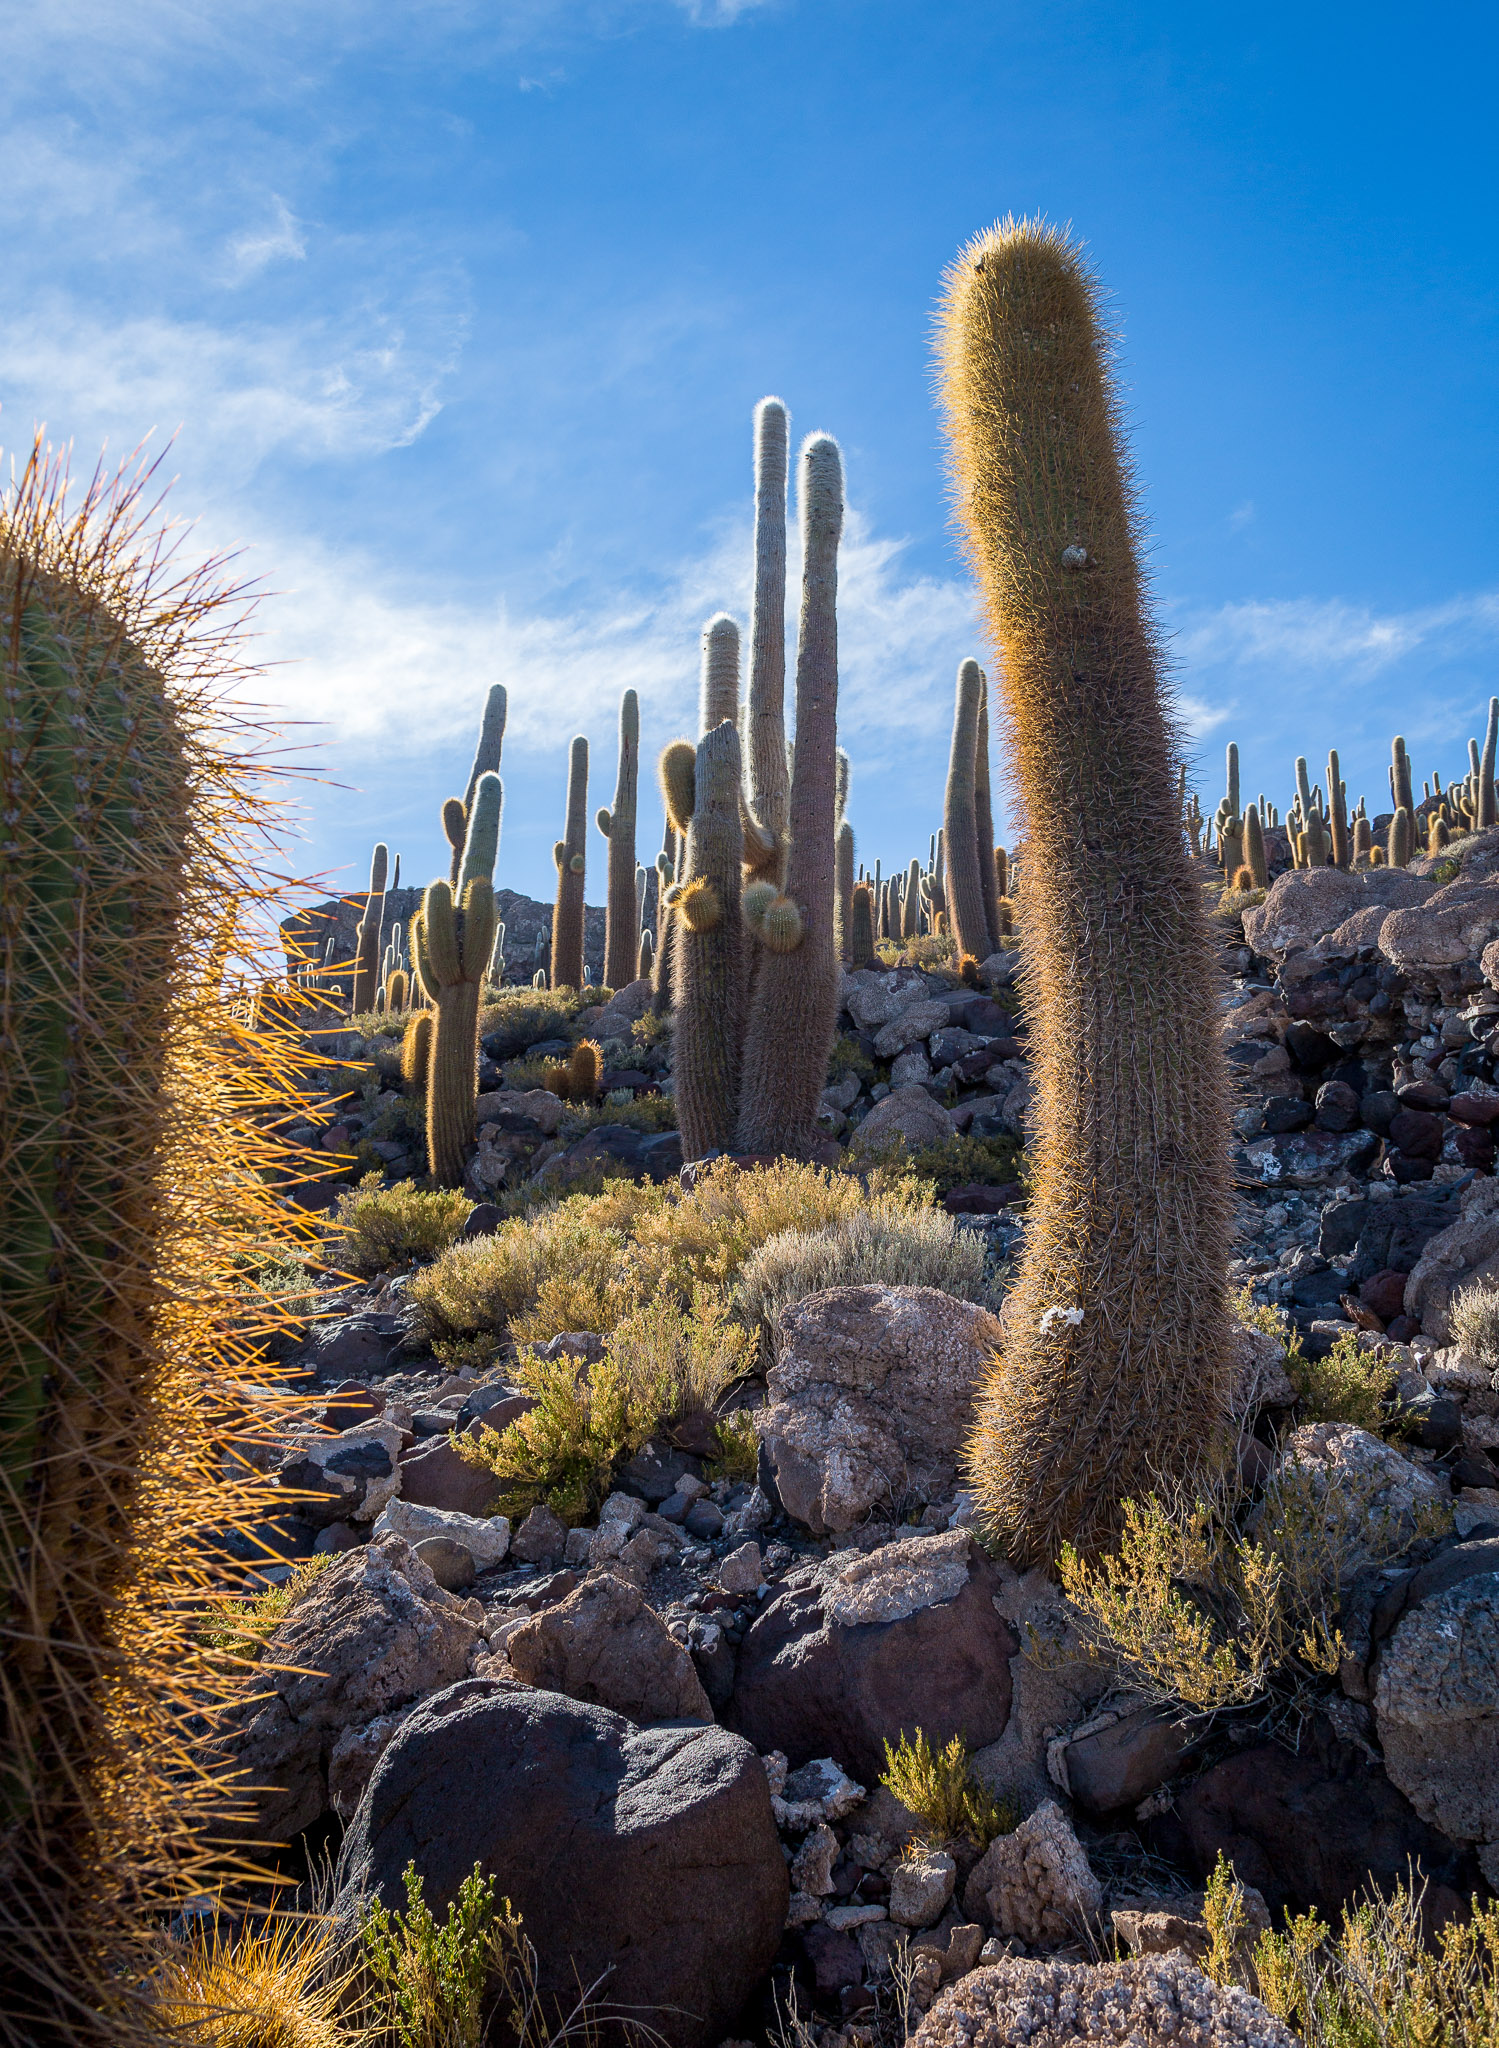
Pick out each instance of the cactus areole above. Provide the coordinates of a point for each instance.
(1113, 1373)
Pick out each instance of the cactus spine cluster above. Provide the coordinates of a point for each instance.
(136, 1181)
(1113, 1378)
(571, 858)
(622, 914)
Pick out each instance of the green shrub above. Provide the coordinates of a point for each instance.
(948, 1164)
(736, 1448)
(849, 1057)
(1349, 1385)
(642, 1113)
(886, 1244)
(939, 1788)
(241, 1629)
(375, 1227)
(524, 1016)
(662, 1363)
(431, 1979)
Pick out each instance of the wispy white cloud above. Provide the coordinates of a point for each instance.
(281, 241)
(1328, 636)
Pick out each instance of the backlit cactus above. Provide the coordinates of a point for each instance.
(861, 927)
(622, 913)
(718, 676)
(570, 856)
(451, 953)
(965, 885)
(367, 937)
(765, 707)
(1254, 850)
(138, 1191)
(983, 819)
(1114, 1376)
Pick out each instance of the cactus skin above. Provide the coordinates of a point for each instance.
(395, 991)
(1130, 1217)
(367, 937)
(844, 853)
(710, 954)
(910, 903)
(1486, 795)
(861, 927)
(1337, 804)
(666, 861)
(135, 1106)
(646, 958)
(677, 770)
(965, 888)
(1400, 777)
(491, 742)
(983, 819)
(718, 674)
(416, 1051)
(1363, 839)
(765, 706)
(1399, 855)
(567, 918)
(1254, 850)
(586, 1070)
(622, 913)
(1437, 835)
(452, 953)
(455, 831)
(794, 1008)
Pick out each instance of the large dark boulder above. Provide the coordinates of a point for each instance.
(642, 1860)
(1317, 1827)
(857, 1649)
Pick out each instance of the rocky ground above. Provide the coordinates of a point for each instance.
(665, 1732)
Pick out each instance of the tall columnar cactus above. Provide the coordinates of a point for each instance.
(367, 937)
(1399, 853)
(1402, 795)
(861, 927)
(491, 741)
(1254, 848)
(666, 874)
(1486, 801)
(965, 886)
(481, 847)
(910, 902)
(138, 1189)
(571, 860)
(983, 820)
(622, 914)
(1337, 803)
(765, 706)
(794, 1008)
(1115, 1369)
(845, 889)
(710, 952)
(452, 952)
(718, 673)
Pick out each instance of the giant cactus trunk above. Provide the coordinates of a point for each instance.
(709, 954)
(1113, 1375)
(765, 707)
(622, 912)
(571, 859)
(794, 1007)
(135, 1182)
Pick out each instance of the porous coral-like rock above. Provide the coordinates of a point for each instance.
(905, 1113)
(1035, 1882)
(870, 1399)
(1436, 1708)
(1148, 2001)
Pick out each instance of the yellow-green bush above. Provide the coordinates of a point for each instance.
(242, 1628)
(1349, 1385)
(375, 1228)
(887, 1244)
(605, 1252)
(950, 1163)
(662, 1363)
(1475, 1323)
(938, 1786)
(431, 1978)
(277, 1986)
(1195, 1612)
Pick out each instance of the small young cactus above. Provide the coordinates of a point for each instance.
(1400, 839)
(416, 1052)
(1363, 839)
(622, 915)
(567, 919)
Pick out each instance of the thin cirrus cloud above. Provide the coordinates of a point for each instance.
(282, 241)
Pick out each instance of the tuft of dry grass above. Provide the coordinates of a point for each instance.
(277, 1986)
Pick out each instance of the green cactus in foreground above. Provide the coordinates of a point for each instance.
(139, 1188)
(570, 856)
(960, 838)
(794, 1007)
(710, 953)
(367, 937)
(1116, 1363)
(622, 912)
(451, 953)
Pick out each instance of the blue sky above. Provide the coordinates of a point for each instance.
(458, 310)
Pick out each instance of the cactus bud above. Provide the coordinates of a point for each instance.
(603, 820)
(758, 897)
(699, 905)
(780, 926)
(678, 772)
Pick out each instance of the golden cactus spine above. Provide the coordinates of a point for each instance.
(1113, 1379)
(794, 1007)
(622, 913)
(709, 953)
(137, 1188)
(571, 858)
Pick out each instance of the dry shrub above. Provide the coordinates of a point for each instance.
(938, 1786)
(280, 1986)
(1475, 1323)
(1196, 1611)
(887, 1244)
(377, 1227)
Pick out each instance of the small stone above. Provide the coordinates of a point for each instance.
(812, 1865)
(703, 1520)
(450, 1563)
(920, 1888)
(740, 1571)
(847, 1918)
(803, 1910)
(540, 1539)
